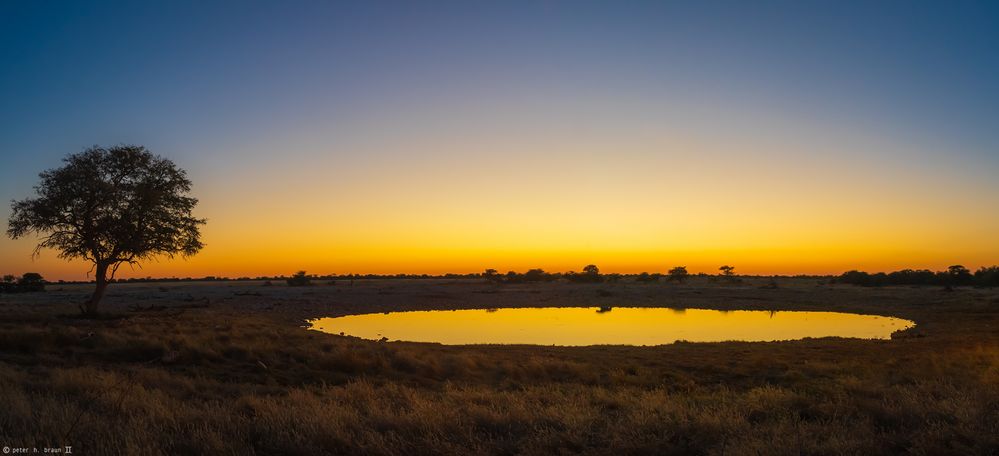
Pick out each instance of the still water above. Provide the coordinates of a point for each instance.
(610, 326)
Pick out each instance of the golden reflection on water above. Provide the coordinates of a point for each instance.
(607, 326)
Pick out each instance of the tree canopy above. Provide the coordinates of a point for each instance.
(111, 206)
(678, 274)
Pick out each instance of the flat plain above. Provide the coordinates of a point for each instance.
(230, 368)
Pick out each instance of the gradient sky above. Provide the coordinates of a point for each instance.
(383, 137)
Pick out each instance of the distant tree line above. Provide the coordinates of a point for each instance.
(28, 282)
(280, 278)
(299, 279)
(645, 277)
(590, 274)
(953, 276)
(956, 275)
(532, 275)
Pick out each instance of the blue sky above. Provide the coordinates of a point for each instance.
(240, 92)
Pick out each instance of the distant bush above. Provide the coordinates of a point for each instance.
(299, 279)
(954, 276)
(536, 275)
(678, 274)
(645, 277)
(987, 276)
(590, 274)
(29, 282)
(959, 275)
(532, 275)
(492, 276)
(8, 284)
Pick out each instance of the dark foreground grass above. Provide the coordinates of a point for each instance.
(241, 376)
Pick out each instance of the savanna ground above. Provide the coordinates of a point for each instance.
(228, 368)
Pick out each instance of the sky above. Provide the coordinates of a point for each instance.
(430, 137)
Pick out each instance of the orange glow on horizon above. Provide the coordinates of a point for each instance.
(560, 202)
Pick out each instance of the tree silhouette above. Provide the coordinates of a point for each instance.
(959, 275)
(727, 271)
(7, 283)
(591, 273)
(855, 277)
(492, 276)
(114, 206)
(646, 277)
(299, 279)
(535, 275)
(953, 276)
(987, 276)
(678, 274)
(31, 281)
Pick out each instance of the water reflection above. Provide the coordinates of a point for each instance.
(606, 325)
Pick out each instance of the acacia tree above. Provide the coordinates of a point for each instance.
(958, 275)
(678, 274)
(492, 275)
(113, 206)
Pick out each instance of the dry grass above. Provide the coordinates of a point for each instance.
(242, 377)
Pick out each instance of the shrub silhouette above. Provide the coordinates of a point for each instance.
(31, 281)
(535, 275)
(532, 275)
(987, 276)
(959, 275)
(954, 276)
(645, 277)
(114, 206)
(492, 276)
(299, 279)
(590, 274)
(855, 277)
(678, 274)
(7, 284)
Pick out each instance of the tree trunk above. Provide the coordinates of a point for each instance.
(90, 307)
